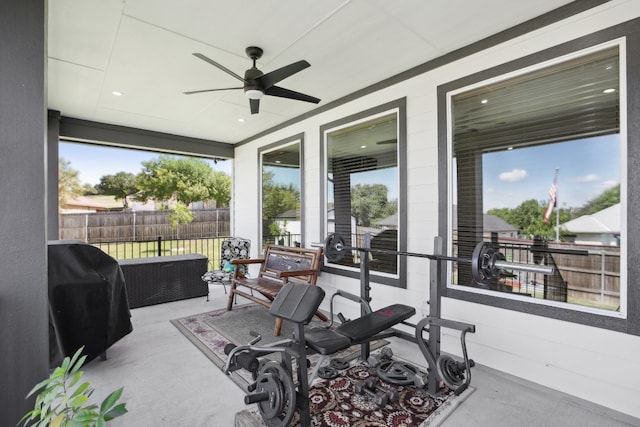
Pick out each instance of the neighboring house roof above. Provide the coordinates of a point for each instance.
(97, 203)
(390, 221)
(490, 223)
(293, 214)
(604, 221)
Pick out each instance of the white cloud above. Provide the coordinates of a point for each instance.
(607, 184)
(513, 176)
(586, 178)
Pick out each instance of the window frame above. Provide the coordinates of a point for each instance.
(399, 107)
(298, 138)
(629, 37)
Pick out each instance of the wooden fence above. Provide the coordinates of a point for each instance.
(134, 226)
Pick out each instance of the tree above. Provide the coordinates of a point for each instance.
(120, 186)
(606, 199)
(220, 187)
(180, 214)
(528, 218)
(185, 180)
(369, 203)
(68, 182)
(277, 198)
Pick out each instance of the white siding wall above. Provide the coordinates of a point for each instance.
(590, 363)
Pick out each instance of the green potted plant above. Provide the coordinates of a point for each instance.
(63, 401)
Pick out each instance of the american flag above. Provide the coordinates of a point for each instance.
(553, 192)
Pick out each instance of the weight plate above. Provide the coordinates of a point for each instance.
(483, 263)
(277, 381)
(271, 384)
(450, 372)
(327, 372)
(334, 247)
(396, 372)
(339, 363)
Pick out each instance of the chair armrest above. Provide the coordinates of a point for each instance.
(291, 273)
(247, 261)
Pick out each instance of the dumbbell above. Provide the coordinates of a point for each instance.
(368, 387)
(376, 359)
(391, 394)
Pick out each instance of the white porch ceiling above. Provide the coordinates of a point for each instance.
(143, 48)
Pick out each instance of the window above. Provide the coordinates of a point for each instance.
(281, 193)
(363, 184)
(538, 166)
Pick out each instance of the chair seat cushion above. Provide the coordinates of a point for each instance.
(216, 276)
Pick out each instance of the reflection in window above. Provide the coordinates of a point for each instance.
(537, 168)
(281, 188)
(362, 188)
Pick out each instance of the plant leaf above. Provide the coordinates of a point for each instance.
(78, 401)
(57, 421)
(118, 410)
(81, 388)
(110, 400)
(75, 379)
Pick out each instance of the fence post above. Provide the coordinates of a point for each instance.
(134, 226)
(86, 228)
(159, 245)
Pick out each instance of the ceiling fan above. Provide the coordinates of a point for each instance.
(257, 84)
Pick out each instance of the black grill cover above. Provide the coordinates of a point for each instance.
(87, 301)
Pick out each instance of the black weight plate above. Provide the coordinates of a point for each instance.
(339, 363)
(334, 247)
(396, 372)
(269, 383)
(327, 372)
(279, 410)
(449, 372)
(481, 263)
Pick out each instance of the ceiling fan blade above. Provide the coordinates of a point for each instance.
(287, 93)
(255, 105)
(191, 92)
(215, 64)
(268, 80)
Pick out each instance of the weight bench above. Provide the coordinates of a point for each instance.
(372, 326)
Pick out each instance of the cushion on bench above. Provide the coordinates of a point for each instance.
(356, 331)
(297, 303)
(368, 325)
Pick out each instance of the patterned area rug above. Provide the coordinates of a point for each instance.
(211, 332)
(335, 403)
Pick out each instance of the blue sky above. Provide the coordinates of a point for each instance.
(93, 161)
(587, 167)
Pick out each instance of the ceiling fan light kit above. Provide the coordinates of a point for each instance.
(257, 84)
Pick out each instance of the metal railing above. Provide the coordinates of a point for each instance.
(209, 247)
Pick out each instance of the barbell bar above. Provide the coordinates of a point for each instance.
(487, 263)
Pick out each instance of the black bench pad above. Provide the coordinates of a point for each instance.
(359, 330)
(297, 303)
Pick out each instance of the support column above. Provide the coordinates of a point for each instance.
(24, 338)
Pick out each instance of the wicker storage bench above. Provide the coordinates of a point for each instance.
(155, 280)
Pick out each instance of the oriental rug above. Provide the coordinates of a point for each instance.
(334, 403)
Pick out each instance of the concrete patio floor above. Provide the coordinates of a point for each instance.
(169, 382)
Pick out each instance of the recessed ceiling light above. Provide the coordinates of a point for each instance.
(241, 120)
(484, 101)
(363, 146)
(278, 161)
(116, 93)
(610, 90)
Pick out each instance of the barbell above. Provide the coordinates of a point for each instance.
(487, 262)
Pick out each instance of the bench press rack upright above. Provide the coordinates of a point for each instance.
(487, 263)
